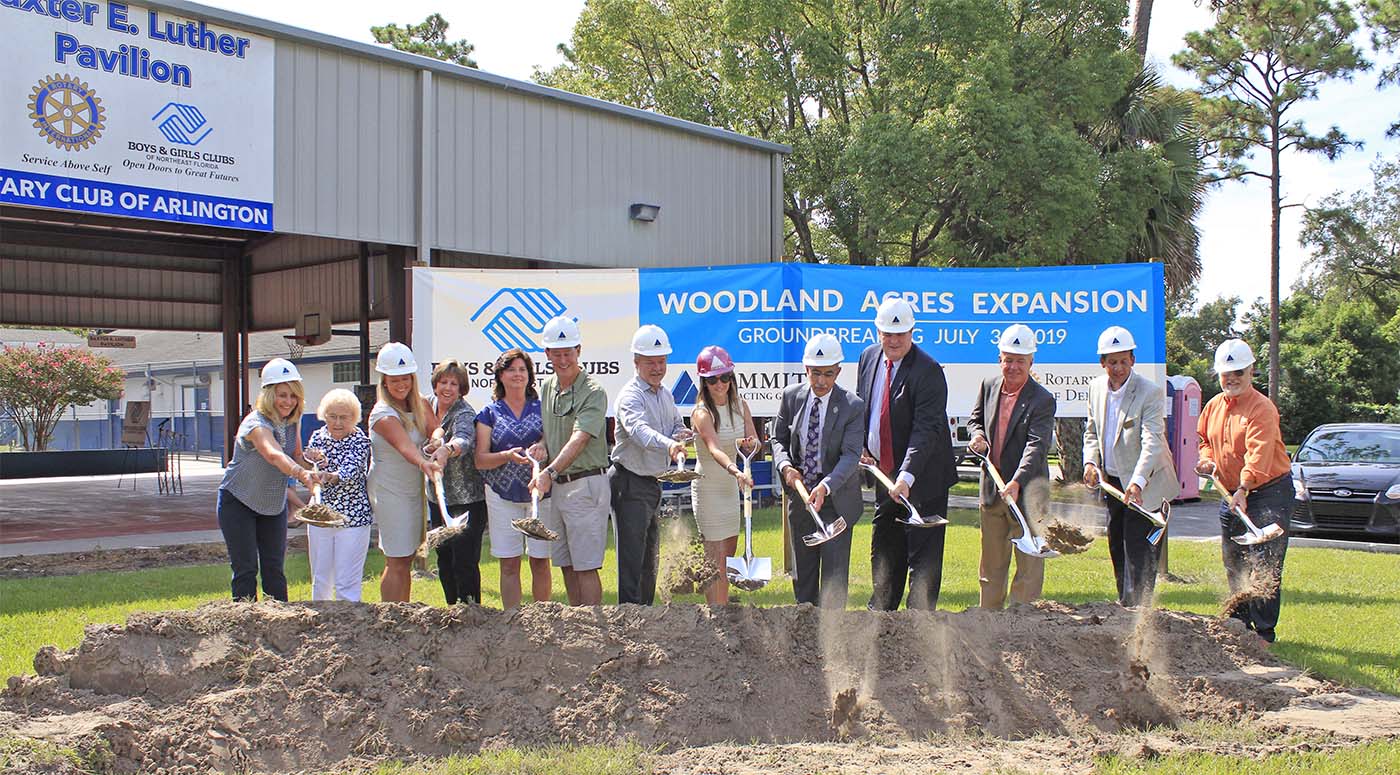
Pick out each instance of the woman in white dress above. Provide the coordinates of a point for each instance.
(399, 424)
(719, 420)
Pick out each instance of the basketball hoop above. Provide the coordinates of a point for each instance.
(296, 345)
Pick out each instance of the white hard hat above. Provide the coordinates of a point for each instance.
(1233, 355)
(651, 340)
(1116, 339)
(822, 350)
(1017, 339)
(279, 370)
(561, 332)
(895, 316)
(394, 359)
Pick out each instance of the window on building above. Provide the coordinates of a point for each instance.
(348, 371)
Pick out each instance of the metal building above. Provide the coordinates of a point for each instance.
(364, 159)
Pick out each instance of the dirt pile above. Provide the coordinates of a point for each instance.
(278, 687)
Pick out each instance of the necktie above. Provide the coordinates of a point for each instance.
(886, 430)
(811, 446)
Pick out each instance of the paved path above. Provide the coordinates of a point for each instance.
(77, 514)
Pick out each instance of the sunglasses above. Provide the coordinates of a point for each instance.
(725, 378)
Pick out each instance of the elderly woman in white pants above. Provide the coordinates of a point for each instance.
(340, 450)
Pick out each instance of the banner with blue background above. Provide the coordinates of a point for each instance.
(763, 315)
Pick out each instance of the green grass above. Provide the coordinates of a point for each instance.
(1341, 609)
(623, 759)
(1376, 757)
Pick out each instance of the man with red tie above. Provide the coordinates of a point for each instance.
(907, 436)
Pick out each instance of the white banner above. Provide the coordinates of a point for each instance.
(113, 108)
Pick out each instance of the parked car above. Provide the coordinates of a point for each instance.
(1347, 478)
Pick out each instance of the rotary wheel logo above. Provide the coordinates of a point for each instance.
(66, 112)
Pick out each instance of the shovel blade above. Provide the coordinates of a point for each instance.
(820, 537)
(1247, 539)
(1270, 532)
(736, 567)
(1030, 548)
(761, 569)
(913, 521)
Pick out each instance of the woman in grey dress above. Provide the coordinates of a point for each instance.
(399, 424)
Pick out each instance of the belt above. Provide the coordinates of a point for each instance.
(566, 478)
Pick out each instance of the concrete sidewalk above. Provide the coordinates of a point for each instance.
(80, 514)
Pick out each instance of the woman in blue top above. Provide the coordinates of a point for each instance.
(252, 502)
(505, 428)
(341, 450)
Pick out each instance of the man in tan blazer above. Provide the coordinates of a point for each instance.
(1125, 443)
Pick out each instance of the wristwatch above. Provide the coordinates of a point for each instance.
(552, 473)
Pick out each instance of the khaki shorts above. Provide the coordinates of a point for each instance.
(578, 511)
(506, 541)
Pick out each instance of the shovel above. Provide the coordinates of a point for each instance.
(679, 473)
(1028, 543)
(317, 513)
(533, 527)
(451, 525)
(1253, 534)
(1158, 518)
(824, 532)
(913, 520)
(748, 573)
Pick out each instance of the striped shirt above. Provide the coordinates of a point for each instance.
(250, 478)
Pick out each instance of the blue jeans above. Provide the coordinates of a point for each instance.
(255, 542)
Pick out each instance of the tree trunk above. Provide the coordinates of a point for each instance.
(1142, 21)
(1069, 435)
(1275, 213)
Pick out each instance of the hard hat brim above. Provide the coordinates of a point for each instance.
(886, 328)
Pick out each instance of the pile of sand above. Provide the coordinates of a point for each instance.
(278, 687)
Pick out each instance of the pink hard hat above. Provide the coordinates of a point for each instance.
(713, 360)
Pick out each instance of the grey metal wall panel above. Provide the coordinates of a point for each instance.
(521, 176)
(344, 145)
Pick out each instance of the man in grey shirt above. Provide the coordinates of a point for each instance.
(650, 435)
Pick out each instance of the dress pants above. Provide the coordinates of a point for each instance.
(1272, 503)
(823, 571)
(337, 557)
(999, 525)
(636, 503)
(898, 552)
(1134, 559)
(459, 558)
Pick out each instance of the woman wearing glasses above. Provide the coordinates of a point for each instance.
(719, 420)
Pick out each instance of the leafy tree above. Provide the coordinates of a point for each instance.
(1259, 60)
(934, 132)
(37, 384)
(428, 39)
(1383, 19)
(1356, 240)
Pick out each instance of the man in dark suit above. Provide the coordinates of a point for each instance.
(816, 440)
(1012, 422)
(906, 434)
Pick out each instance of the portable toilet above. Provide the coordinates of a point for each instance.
(1183, 409)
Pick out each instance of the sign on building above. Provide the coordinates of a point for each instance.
(113, 108)
(764, 314)
(109, 340)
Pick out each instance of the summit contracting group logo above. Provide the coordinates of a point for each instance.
(67, 112)
(516, 317)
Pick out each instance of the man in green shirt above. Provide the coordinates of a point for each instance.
(574, 409)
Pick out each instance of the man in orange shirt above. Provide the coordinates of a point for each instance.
(1242, 447)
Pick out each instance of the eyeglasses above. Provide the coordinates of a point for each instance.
(727, 377)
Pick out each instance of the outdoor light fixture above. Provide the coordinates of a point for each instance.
(642, 212)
